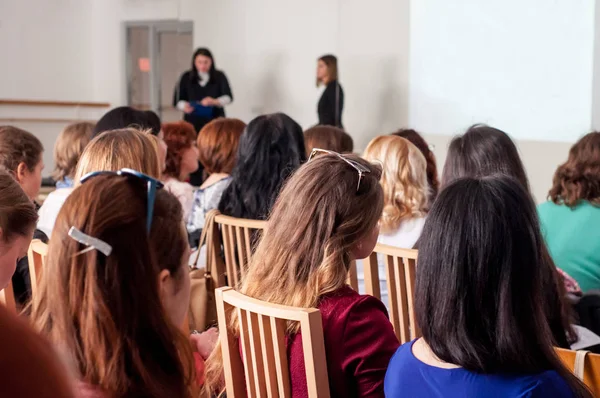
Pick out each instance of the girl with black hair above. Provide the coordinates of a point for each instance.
(479, 294)
(203, 91)
(270, 150)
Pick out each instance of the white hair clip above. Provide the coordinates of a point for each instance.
(91, 242)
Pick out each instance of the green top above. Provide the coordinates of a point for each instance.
(573, 238)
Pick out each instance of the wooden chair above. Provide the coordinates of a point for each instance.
(590, 368)
(400, 266)
(264, 371)
(7, 298)
(37, 253)
(237, 237)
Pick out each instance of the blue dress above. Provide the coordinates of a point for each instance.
(409, 377)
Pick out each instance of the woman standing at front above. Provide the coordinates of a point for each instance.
(331, 103)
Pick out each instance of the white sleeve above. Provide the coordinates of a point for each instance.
(224, 100)
(181, 105)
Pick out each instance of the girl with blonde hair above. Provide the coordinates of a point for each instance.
(326, 215)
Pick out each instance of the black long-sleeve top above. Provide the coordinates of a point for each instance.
(331, 105)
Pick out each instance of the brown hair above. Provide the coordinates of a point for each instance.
(328, 137)
(179, 136)
(68, 148)
(117, 149)
(17, 212)
(19, 146)
(432, 173)
(106, 311)
(218, 143)
(332, 68)
(302, 263)
(29, 366)
(579, 177)
(404, 180)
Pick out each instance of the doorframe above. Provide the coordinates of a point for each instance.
(154, 29)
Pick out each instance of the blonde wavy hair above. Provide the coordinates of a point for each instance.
(305, 250)
(117, 149)
(404, 180)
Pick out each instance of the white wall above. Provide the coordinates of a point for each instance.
(523, 66)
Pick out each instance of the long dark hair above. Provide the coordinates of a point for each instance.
(480, 281)
(482, 151)
(106, 311)
(194, 76)
(270, 150)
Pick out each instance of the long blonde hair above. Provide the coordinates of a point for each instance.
(117, 149)
(404, 180)
(305, 250)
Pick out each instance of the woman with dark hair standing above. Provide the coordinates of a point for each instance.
(331, 103)
(478, 295)
(203, 91)
(571, 217)
(270, 150)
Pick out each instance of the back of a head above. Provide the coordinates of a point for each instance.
(106, 311)
(479, 284)
(118, 149)
(218, 143)
(432, 173)
(578, 179)
(68, 148)
(404, 180)
(19, 146)
(28, 364)
(270, 150)
(318, 218)
(126, 117)
(17, 213)
(178, 136)
(483, 151)
(328, 137)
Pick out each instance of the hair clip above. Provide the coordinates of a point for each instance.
(90, 241)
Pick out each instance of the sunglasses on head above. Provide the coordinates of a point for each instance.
(152, 185)
(355, 165)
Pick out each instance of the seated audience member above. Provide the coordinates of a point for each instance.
(571, 219)
(124, 117)
(17, 223)
(405, 195)
(29, 367)
(328, 137)
(116, 289)
(484, 151)
(182, 160)
(478, 301)
(270, 150)
(432, 173)
(218, 143)
(325, 216)
(68, 148)
(21, 155)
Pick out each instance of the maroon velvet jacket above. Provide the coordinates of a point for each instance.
(359, 343)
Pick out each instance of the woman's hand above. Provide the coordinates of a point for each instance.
(187, 108)
(205, 342)
(209, 101)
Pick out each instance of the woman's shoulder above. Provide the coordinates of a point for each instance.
(345, 303)
(546, 384)
(177, 187)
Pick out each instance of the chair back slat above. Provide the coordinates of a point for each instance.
(37, 253)
(400, 268)
(262, 369)
(238, 245)
(7, 298)
(591, 368)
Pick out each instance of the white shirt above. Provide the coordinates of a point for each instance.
(50, 208)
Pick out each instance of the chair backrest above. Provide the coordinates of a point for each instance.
(38, 251)
(238, 237)
(400, 267)
(264, 370)
(7, 298)
(590, 368)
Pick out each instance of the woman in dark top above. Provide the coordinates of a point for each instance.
(203, 91)
(331, 103)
